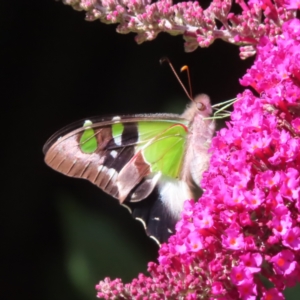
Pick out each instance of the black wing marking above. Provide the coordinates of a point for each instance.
(158, 222)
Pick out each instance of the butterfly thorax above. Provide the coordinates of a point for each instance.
(201, 131)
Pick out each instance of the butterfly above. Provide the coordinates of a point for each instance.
(151, 163)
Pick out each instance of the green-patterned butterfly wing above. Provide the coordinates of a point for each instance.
(150, 163)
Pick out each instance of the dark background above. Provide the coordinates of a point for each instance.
(62, 235)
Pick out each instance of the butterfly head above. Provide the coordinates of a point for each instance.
(200, 106)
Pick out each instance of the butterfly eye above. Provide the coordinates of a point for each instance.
(200, 106)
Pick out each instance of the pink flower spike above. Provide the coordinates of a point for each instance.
(284, 262)
(198, 26)
(246, 225)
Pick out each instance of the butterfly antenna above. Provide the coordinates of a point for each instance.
(165, 59)
(186, 68)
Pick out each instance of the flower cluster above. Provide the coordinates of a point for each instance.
(199, 27)
(245, 230)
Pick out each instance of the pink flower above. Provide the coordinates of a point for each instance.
(252, 262)
(283, 262)
(292, 4)
(233, 239)
(247, 291)
(296, 124)
(241, 276)
(281, 221)
(254, 198)
(195, 242)
(217, 288)
(272, 294)
(204, 220)
(292, 238)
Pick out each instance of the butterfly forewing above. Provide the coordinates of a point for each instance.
(123, 156)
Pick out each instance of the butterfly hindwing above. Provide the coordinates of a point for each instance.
(158, 222)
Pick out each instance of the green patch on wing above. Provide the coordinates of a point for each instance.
(163, 146)
(117, 130)
(88, 141)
